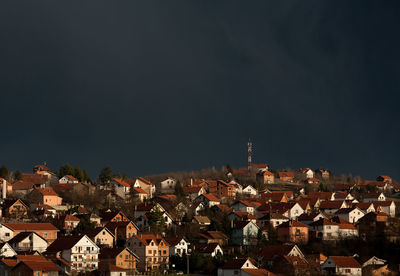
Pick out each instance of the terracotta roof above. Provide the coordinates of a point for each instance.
(22, 185)
(73, 178)
(344, 211)
(112, 225)
(106, 253)
(286, 174)
(145, 180)
(92, 233)
(341, 195)
(364, 205)
(139, 190)
(321, 195)
(47, 191)
(240, 171)
(192, 189)
(172, 241)
(345, 261)
(382, 203)
(270, 216)
(34, 178)
(306, 217)
(206, 248)
(9, 262)
(63, 243)
(41, 168)
(121, 182)
(223, 208)
(44, 266)
(210, 197)
(21, 236)
(34, 226)
(331, 204)
(71, 218)
(258, 272)
(372, 195)
(268, 173)
(147, 238)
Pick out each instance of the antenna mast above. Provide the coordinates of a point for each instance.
(249, 151)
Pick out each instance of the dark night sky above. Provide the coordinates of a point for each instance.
(150, 87)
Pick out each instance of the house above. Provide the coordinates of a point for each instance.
(322, 173)
(38, 180)
(371, 197)
(324, 229)
(225, 189)
(67, 222)
(243, 206)
(331, 207)
(208, 199)
(286, 176)
(167, 186)
(293, 265)
(202, 221)
(244, 233)
(178, 246)
(14, 208)
(146, 185)
(34, 267)
(322, 195)
(22, 187)
(46, 230)
(235, 266)
(249, 191)
(152, 251)
(310, 218)
(306, 173)
(293, 231)
(45, 196)
(80, 252)
(141, 194)
(209, 249)
(269, 253)
(274, 197)
(388, 207)
(194, 191)
(241, 216)
(221, 208)
(101, 236)
(121, 257)
(122, 188)
(312, 181)
(122, 229)
(113, 216)
(341, 265)
(213, 237)
(6, 250)
(28, 241)
(346, 229)
(384, 178)
(366, 207)
(68, 179)
(350, 214)
(265, 177)
(274, 219)
(343, 196)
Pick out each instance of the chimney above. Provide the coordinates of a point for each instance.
(4, 193)
(191, 181)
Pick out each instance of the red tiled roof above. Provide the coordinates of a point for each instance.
(286, 174)
(268, 173)
(139, 190)
(47, 191)
(258, 272)
(236, 263)
(145, 180)
(192, 189)
(22, 185)
(292, 223)
(34, 226)
(270, 251)
(323, 221)
(71, 218)
(121, 182)
(223, 208)
(331, 204)
(240, 171)
(211, 197)
(34, 178)
(345, 261)
(41, 167)
(73, 178)
(44, 266)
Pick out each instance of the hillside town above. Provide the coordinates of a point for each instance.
(247, 221)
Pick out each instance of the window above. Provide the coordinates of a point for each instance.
(7, 234)
(164, 252)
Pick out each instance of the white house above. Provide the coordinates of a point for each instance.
(6, 250)
(325, 229)
(274, 219)
(68, 179)
(347, 230)
(308, 173)
(244, 233)
(194, 191)
(28, 241)
(250, 191)
(295, 210)
(168, 185)
(177, 246)
(371, 197)
(341, 265)
(243, 206)
(80, 251)
(208, 199)
(209, 249)
(388, 207)
(122, 188)
(235, 266)
(146, 185)
(352, 215)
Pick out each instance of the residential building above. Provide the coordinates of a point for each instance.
(178, 246)
(46, 230)
(244, 233)
(121, 257)
(293, 231)
(28, 241)
(341, 265)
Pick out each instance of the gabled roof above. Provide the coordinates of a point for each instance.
(237, 263)
(36, 179)
(210, 197)
(372, 195)
(345, 261)
(240, 224)
(45, 266)
(258, 272)
(286, 174)
(73, 178)
(306, 217)
(107, 253)
(207, 248)
(41, 168)
(65, 242)
(34, 226)
(47, 191)
(112, 225)
(21, 236)
(92, 233)
(147, 238)
(321, 195)
(172, 241)
(148, 182)
(121, 182)
(192, 189)
(10, 202)
(292, 223)
(223, 208)
(331, 204)
(382, 203)
(139, 190)
(270, 251)
(22, 185)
